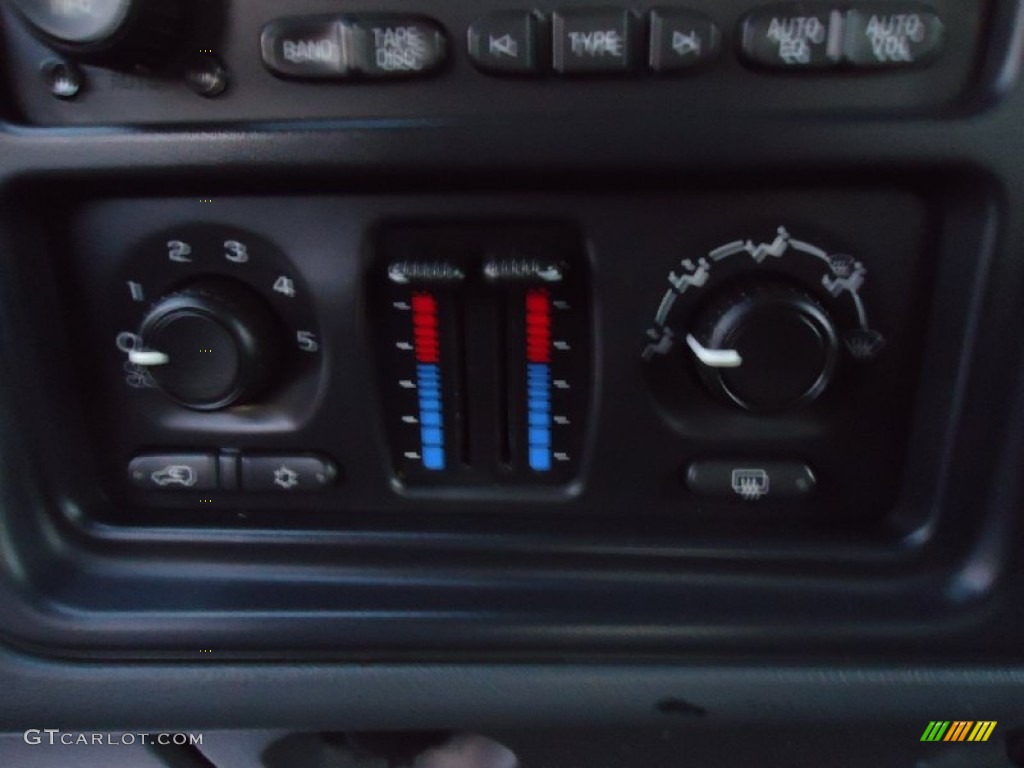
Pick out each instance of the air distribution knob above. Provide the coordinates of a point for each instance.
(122, 34)
(764, 346)
(213, 344)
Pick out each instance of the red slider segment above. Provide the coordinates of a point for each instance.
(538, 326)
(425, 324)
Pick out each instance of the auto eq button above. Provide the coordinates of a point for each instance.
(174, 472)
(682, 40)
(593, 42)
(751, 480)
(287, 473)
(505, 43)
(304, 47)
(793, 36)
(891, 35)
(394, 46)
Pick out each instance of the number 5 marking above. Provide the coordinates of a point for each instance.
(307, 341)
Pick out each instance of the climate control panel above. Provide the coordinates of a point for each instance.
(745, 356)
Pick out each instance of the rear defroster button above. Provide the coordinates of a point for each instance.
(750, 480)
(287, 473)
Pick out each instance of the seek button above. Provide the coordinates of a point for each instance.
(505, 43)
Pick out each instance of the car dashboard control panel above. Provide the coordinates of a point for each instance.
(181, 62)
(734, 356)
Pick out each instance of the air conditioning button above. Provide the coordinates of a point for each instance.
(287, 473)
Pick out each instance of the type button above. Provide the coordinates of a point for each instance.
(593, 42)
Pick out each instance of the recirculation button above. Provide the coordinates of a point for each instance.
(174, 472)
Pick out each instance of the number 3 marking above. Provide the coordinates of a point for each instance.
(236, 252)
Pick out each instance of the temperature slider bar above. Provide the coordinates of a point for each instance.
(427, 345)
(538, 378)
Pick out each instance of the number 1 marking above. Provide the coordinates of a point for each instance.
(136, 290)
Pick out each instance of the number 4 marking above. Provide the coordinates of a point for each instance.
(285, 285)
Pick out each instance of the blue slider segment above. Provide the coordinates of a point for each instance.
(431, 424)
(538, 400)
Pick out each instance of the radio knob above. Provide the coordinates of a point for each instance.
(122, 34)
(214, 344)
(765, 346)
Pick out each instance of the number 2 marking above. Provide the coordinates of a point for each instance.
(178, 251)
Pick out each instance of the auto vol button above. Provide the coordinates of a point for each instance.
(891, 35)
